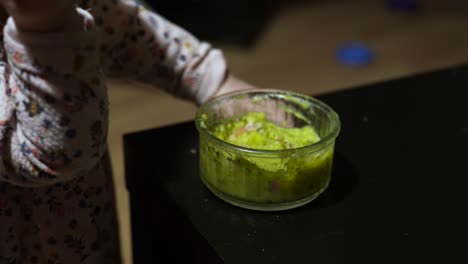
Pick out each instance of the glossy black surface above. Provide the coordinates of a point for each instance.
(399, 192)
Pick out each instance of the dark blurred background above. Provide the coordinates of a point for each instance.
(238, 22)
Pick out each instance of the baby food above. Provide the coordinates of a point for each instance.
(285, 172)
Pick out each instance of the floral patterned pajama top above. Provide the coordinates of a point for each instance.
(56, 190)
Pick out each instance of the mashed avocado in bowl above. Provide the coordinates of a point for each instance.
(266, 149)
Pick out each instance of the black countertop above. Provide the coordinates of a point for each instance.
(399, 192)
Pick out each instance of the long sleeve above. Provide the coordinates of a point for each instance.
(54, 117)
(140, 44)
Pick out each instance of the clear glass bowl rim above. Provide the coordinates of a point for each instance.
(323, 143)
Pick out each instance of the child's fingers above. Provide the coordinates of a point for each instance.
(275, 109)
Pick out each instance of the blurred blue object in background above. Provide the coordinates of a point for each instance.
(355, 54)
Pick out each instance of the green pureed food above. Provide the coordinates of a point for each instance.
(287, 173)
(254, 131)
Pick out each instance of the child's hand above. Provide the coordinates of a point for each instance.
(43, 15)
(274, 109)
(232, 84)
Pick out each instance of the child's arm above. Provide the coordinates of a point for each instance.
(139, 43)
(53, 115)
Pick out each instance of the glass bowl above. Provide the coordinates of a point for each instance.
(267, 180)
